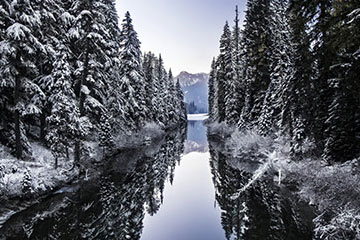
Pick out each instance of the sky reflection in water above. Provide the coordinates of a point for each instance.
(189, 210)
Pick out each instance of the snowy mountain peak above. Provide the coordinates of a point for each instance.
(188, 79)
(195, 88)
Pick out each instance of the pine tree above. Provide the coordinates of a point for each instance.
(131, 71)
(342, 124)
(256, 42)
(91, 46)
(299, 90)
(148, 67)
(65, 125)
(225, 74)
(181, 107)
(171, 100)
(19, 50)
(160, 91)
(105, 136)
(275, 109)
(319, 13)
(51, 32)
(212, 90)
(235, 101)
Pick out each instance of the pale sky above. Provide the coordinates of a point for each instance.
(185, 32)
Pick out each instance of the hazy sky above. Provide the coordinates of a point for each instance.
(185, 32)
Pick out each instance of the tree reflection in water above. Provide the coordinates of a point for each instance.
(112, 207)
(260, 212)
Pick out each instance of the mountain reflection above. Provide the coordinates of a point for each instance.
(196, 137)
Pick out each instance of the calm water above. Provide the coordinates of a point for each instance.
(189, 210)
(178, 189)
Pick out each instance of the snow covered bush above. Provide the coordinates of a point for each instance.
(250, 143)
(334, 191)
(152, 130)
(344, 226)
(27, 183)
(327, 187)
(220, 129)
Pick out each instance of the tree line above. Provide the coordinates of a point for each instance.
(69, 72)
(293, 69)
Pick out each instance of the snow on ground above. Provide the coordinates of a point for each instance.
(40, 175)
(197, 117)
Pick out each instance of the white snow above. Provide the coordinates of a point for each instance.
(42, 172)
(197, 117)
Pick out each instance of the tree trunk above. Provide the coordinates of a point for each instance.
(67, 153)
(77, 152)
(56, 162)
(82, 98)
(43, 125)
(18, 135)
(17, 119)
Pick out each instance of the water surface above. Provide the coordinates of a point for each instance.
(181, 188)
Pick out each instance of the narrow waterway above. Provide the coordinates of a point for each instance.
(181, 188)
(189, 210)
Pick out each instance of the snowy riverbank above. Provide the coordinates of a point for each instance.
(31, 178)
(28, 179)
(333, 190)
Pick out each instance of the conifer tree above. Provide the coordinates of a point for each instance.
(148, 67)
(65, 125)
(256, 42)
(212, 90)
(225, 76)
(53, 29)
(131, 70)
(18, 50)
(160, 91)
(181, 108)
(342, 124)
(105, 135)
(172, 101)
(275, 110)
(89, 44)
(236, 87)
(318, 12)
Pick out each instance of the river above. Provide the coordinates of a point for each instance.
(178, 189)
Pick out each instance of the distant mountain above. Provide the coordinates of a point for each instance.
(195, 87)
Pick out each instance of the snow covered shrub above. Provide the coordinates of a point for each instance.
(220, 129)
(328, 187)
(251, 143)
(2, 172)
(344, 226)
(152, 130)
(27, 183)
